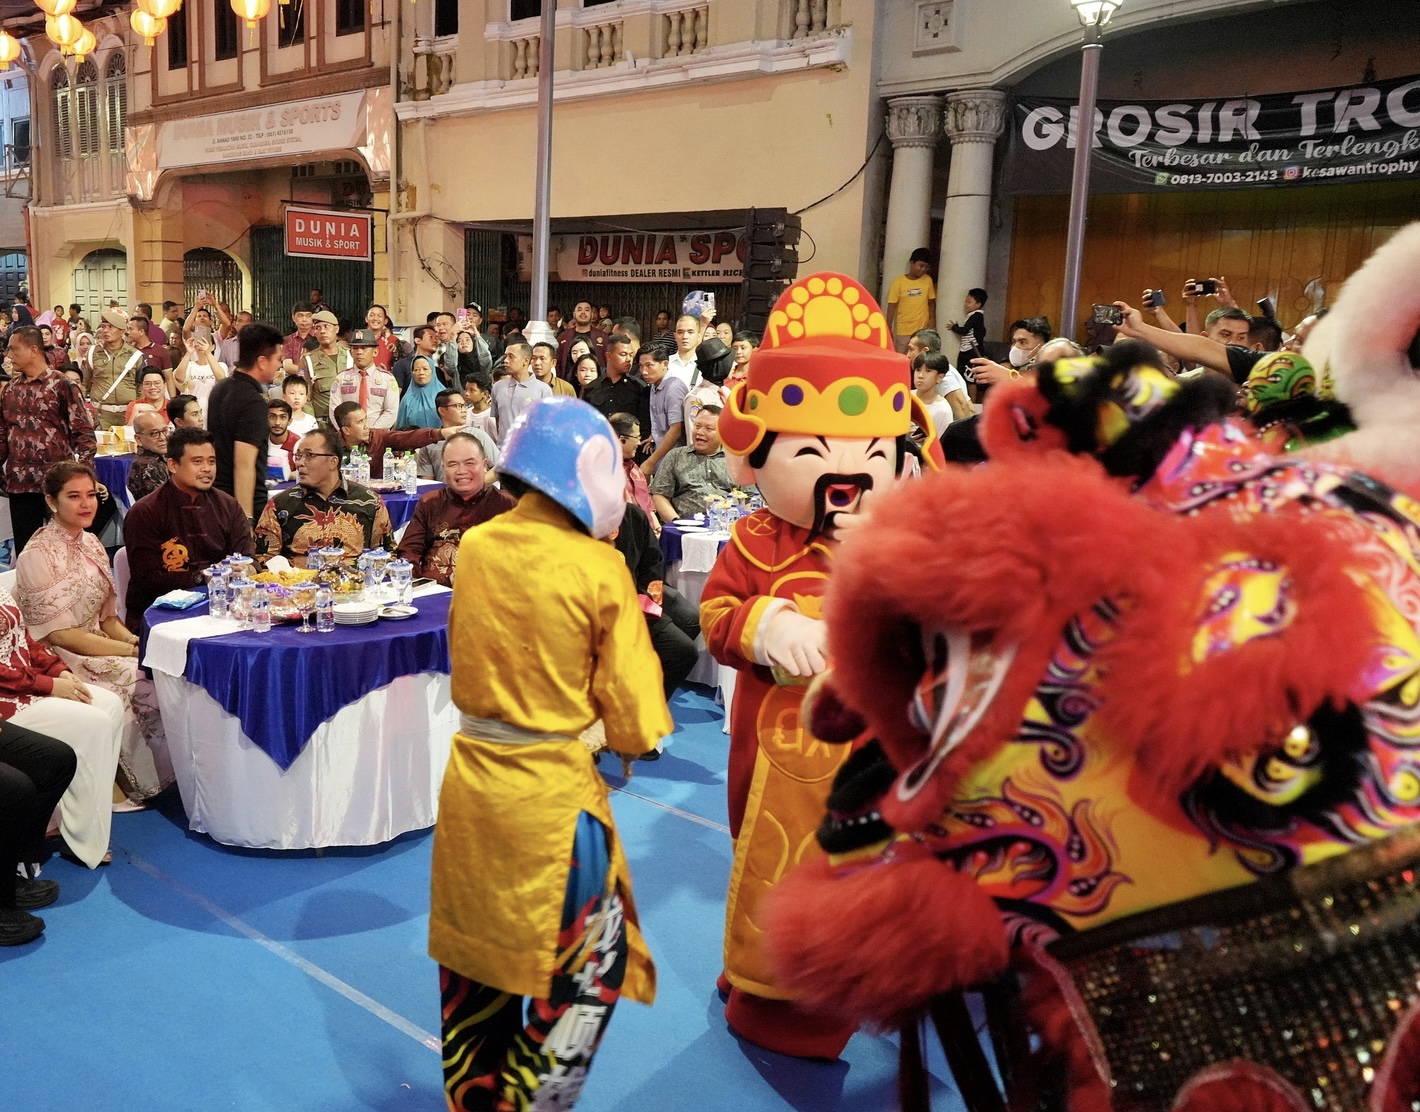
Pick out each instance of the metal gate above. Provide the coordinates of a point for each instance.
(348, 286)
(206, 268)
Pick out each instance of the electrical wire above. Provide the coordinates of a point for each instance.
(449, 285)
(850, 181)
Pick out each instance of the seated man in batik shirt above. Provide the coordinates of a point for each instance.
(431, 539)
(321, 511)
(150, 463)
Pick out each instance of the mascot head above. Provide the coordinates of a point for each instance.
(819, 422)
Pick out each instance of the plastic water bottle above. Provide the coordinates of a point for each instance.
(325, 609)
(364, 477)
(261, 610)
(411, 475)
(389, 472)
(219, 595)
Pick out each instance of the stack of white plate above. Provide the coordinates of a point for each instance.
(356, 613)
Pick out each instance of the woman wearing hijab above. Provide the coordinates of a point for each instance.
(416, 407)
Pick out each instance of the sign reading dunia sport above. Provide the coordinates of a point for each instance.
(1358, 133)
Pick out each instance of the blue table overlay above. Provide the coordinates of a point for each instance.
(670, 544)
(282, 685)
(113, 473)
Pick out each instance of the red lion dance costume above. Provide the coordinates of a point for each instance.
(820, 425)
(1143, 765)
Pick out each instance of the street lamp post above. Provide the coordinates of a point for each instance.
(542, 189)
(1094, 14)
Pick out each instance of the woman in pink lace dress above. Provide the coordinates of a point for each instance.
(69, 601)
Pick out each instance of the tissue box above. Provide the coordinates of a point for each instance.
(180, 600)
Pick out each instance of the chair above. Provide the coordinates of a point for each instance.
(120, 579)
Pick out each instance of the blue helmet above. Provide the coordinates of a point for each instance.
(567, 451)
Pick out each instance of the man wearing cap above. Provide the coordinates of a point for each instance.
(820, 425)
(110, 369)
(323, 366)
(374, 390)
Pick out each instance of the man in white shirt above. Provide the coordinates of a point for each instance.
(681, 365)
(374, 390)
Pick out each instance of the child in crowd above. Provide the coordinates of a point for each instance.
(478, 392)
(936, 382)
(295, 391)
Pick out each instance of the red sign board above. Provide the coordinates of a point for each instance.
(329, 234)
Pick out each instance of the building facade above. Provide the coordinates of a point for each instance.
(969, 175)
(673, 119)
(165, 170)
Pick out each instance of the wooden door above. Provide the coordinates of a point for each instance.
(1297, 245)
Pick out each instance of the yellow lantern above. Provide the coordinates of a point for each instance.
(57, 7)
(86, 45)
(64, 31)
(159, 9)
(9, 48)
(251, 10)
(147, 26)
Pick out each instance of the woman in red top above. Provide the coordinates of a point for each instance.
(40, 693)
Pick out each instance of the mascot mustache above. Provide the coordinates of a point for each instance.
(836, 494)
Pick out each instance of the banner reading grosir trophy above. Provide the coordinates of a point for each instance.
(1357, 133)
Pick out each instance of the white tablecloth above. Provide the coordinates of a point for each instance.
(369, 774)
(707, 669)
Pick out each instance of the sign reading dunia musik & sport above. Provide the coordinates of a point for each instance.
(329, 234)
(1356, 133)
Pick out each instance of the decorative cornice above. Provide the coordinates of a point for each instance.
(914, 122)
(975, 116)
(721, 63)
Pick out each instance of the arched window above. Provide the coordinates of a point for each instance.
(116, 99)
(63, 142)
(86, 101)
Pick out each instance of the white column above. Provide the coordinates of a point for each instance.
(914, 124)
(973, 121)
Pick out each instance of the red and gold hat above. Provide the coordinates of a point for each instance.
(827, 367)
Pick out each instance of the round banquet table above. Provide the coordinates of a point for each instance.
(399, 505)
(284, 740)
(689, 551)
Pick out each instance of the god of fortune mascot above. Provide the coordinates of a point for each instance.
(819, 425)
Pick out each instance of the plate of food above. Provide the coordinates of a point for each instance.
(384, 486)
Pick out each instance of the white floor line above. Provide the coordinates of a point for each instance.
(688, 815)
(310, 969)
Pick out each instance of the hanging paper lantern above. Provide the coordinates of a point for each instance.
(57, 7)
(86, 45)
(9, 48)
(63, 30)
(147, 26)
(159, 9)
(251, 10)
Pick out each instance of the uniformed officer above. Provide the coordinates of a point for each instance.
(110, 373)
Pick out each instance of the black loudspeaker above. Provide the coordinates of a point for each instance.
(771, 263)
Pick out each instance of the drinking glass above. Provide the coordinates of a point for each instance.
(315, 559)
(304, 596)
(381, 557)
(401, 576)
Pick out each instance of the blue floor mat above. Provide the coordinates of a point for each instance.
(190, 975)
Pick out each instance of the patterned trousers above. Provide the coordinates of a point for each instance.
(505, 1053)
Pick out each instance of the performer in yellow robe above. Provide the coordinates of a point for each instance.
(819, 425)
(531, 893)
